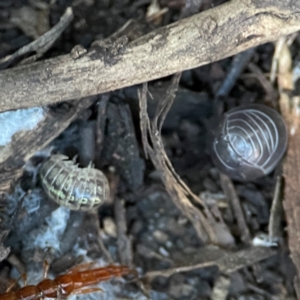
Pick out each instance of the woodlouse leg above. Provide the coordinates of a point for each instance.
(15, 281)
(91, 165)
(82, 267)
(9, 288)
(86, 291)
(46, 269)
(74, 159)
(24, 276)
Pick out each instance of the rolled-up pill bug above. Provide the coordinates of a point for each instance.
(71, 186)
(250, 142)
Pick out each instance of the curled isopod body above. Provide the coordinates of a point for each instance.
(250, 142)
(71, 186)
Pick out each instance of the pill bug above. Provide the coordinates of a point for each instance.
(249, 142)
(71, 186)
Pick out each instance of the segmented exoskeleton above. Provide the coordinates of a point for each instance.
(71, 186)
(250, 142)
(74, 282)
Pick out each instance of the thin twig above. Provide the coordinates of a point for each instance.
(274, 226)
(228, 262)
(42, 44)
(176, 188)
(100, 126)
(233, 197)
(271, 94)
(238, 64)
(124, 242)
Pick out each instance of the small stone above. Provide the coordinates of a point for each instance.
(160, 236)
(110, 227)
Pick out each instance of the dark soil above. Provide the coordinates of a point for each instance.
(158, 235)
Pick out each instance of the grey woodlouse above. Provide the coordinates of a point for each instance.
(71, 186)
(250, 142)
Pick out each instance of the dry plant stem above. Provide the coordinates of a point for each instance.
(274, 67)
(281, 47)
(42, 44)
(232, 196)
(291, 168)
(291, 195)
(176, 188)
(14, 217)
(271, 94)
(238, 65)
(70, 235)
(106, 253)
(124, 242)
(87, 141)
(274, 227)
(4, 251)
(150, 254)
(91, 226)
(228, 262)
(258, 290)
(203, 38)
(95, 216)
(16, 262)
(100, 126)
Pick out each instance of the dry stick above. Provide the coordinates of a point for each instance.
(15, 261)
(4, 251)
(159, 118)
(275, 222)
(291, 192)
(178, 191)
(289, 106)
(100, 126)
(100, 241)
(228, 262)
(232, 196)
(42, 44)
(238, 65)
(271, 93)
(124, 242)
(106, 253)
(276, 56)
(203, 38)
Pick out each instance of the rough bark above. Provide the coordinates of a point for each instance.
(209, 36)
(291, 195)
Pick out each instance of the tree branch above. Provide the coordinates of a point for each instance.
(203, 38)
